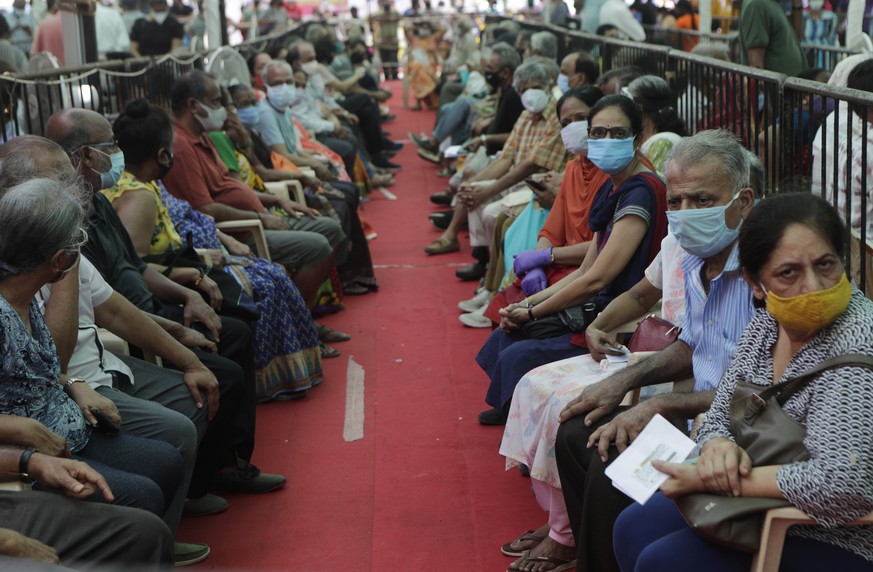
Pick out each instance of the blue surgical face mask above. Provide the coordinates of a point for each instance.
(564, 83)
(703, 232)
(249, 116)
(281, 95)
(611, 155)
(112, 176)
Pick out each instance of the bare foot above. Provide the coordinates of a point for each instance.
(553, 553)
(525, 541)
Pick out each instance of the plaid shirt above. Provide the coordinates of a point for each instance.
(538, 138)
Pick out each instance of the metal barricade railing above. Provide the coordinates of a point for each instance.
(685, 40)
(825, 57)
(830, 147)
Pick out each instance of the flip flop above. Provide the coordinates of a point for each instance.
(325, 334)
(355, 289)
(559, 564)
(526, 536)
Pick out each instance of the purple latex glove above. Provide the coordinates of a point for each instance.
(530, 259)
(534, 281)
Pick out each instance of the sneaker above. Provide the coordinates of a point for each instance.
(394, 146)
(246, 478)
(480, 300)
(476, 319)
(384, 164)
(424, 143)
(207, 505)
(186, 554)
(429, 156)
(443, 197)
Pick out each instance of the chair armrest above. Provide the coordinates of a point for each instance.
(251, 226)
(284, 189)
(112, 342)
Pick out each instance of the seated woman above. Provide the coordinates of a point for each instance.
(41, 235)
(287, 348)
(662, 127)
(792, 248)
(629, 221)
(541, 395)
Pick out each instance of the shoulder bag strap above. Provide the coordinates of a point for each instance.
(789, 387)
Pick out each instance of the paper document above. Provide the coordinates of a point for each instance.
(632, 472)
(454, 151)
(622, 358)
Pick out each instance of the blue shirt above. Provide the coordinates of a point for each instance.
(29, 371)
(714, 323)
(276, 127)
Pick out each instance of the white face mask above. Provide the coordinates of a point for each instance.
(160, 17)
(575, 137)
(282, 95)
(310, 67)
(535, 100)
(214, 119)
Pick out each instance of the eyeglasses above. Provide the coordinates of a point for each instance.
(111, 145)
(613, 132)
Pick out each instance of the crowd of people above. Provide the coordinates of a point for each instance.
(587, 203)
(176, 231)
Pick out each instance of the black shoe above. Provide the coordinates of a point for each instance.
(442, 198)
(388, 145)
(442, 220)
(492, 417)
(425, 144)
(383, 163)
(388, 118)
(246, 478)
(475, 271)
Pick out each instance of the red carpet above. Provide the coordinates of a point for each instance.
(425, 488)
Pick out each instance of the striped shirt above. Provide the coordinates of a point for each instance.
(714, 323)
(538, 138)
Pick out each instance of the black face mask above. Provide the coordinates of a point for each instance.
(165, 168)
(494, 79)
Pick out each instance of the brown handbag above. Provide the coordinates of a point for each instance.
(653, 335)
(770, 437)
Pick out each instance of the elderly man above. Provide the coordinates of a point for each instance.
(534, 145)
(456, 121)
(305, 246)
(577, 69)
(708, 171)
(84, 135)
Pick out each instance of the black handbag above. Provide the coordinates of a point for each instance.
(572, 320)
(235, 302)
(762, 428)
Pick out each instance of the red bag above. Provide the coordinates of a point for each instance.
(653, 335)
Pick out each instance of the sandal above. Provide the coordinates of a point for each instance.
(325, 334)
(355, 289)
(327, 351)
(559, 564)
(526, 536)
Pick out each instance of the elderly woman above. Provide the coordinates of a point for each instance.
(287, 353)
(40, 237)
(792, 248)
(629, 221)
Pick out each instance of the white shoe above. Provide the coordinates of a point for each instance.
(475, 319)
(480, 300)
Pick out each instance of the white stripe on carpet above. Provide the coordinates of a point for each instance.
(353, 427)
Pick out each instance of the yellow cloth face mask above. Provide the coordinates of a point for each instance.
(812, 311)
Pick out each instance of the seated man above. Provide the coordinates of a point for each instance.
(456, 119)
(39, 530)
(707, 171)
(83, 133)
(304, 246)
(577, 69)
(534, 145)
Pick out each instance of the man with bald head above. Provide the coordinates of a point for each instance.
(577, 69)
(87, 138)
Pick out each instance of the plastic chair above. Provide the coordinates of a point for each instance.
(776, 523)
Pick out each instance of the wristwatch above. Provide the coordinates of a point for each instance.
(23, 462)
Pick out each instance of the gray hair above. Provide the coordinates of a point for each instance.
(38, 218)
(714, 144)
(757, 175)
(717, 50)
(510, 26)
(528, 72)
(275, 64)
(507, 56)
(29, 156)
(544, 44)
